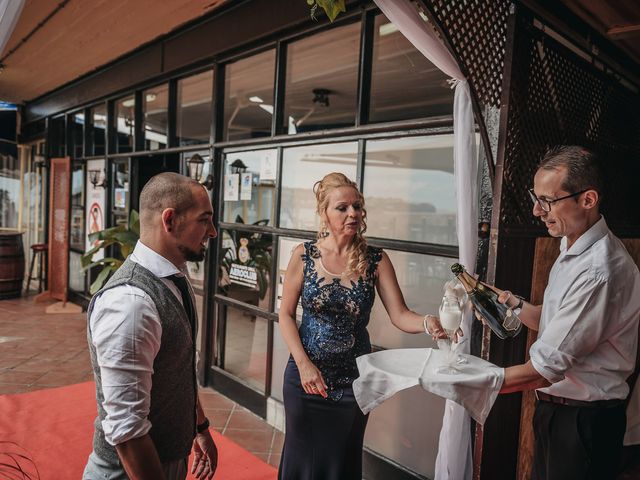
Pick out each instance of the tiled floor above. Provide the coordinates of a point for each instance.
(40, 350)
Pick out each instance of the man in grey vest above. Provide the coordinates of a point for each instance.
(141, 337)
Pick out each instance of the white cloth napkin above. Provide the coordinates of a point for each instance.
(385, 373)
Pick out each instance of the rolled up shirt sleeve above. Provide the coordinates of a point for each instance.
(575, 329)
(126, 333)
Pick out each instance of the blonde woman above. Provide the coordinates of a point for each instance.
(336, 276)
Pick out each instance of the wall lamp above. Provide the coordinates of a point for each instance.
(196, 168)
(94, 178)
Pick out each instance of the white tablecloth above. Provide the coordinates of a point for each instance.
(385, 373)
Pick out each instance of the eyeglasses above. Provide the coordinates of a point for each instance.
(545, 205)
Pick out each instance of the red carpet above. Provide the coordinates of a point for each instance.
(55, 426)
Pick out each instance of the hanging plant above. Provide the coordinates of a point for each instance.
(331, 7)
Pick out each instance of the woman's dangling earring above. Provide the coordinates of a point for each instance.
(324, 231)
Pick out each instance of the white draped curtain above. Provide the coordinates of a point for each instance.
(454, 460)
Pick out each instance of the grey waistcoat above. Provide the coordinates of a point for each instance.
(173, 393)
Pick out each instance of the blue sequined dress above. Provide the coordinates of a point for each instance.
(324, 436)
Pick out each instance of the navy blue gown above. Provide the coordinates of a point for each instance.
(324, 437)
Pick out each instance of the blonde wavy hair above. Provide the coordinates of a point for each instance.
(357, 262)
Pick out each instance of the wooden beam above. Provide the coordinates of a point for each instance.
(624, 31)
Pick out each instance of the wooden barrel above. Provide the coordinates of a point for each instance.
(11, 265)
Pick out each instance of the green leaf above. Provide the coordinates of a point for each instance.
(310, 2)
(110, 261)
(99, 281)
(134, 222)
(332, 7)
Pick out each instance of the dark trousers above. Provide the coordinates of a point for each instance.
(577, 442)
(323, 440)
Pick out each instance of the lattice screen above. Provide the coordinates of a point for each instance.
(556, 97)
(477, 30)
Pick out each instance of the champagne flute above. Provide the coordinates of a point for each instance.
(450, 318)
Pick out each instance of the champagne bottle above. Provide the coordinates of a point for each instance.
(500, 318)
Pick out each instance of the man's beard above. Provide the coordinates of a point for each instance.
(191, 255)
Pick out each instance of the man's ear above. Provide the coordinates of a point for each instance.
(168, 219)
(590, 199)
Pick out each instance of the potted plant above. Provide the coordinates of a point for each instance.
(122, 239)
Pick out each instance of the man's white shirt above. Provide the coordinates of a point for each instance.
(126, 333)
(588, 333)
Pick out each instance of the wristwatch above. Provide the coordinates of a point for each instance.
(204, 426)
(518, 308)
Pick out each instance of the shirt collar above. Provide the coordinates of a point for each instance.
(588, 238)
(154, 262)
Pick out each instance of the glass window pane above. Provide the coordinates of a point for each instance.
(250, 186)
(421, 279)
(248, 99)
(155, 106)
(125, 124)
(245, 267)
(120, 198)
(77, 239)
(322, 80)
(76, 124)
(404, 84)
(98, 129)
(58, 137)
(76, 275)
(286, 246)
(193, 114)
(421, 206)
(245, 347)
(304, 166)
(9, 187)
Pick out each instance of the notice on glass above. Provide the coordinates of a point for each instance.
(231, 184)
(120, 198)
(245, 186)
(268, 165)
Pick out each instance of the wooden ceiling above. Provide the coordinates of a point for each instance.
(616, 20)
(81, 37)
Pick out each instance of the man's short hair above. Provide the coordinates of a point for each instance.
(166, 190)
(583, 169)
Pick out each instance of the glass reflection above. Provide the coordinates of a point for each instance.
(322, 80)
(193, 114)
(421, 206)
(155, 106)
(250, 186)
(245, 347)
(76, 124)
(404, 84)
(125, 123)
(421, 279)
(98, 118)
(304, 166)
(248, 101)
(76, 231)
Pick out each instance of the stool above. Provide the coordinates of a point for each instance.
(38, 250)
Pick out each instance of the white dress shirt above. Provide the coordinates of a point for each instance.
(588, 333)
(126, 333)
